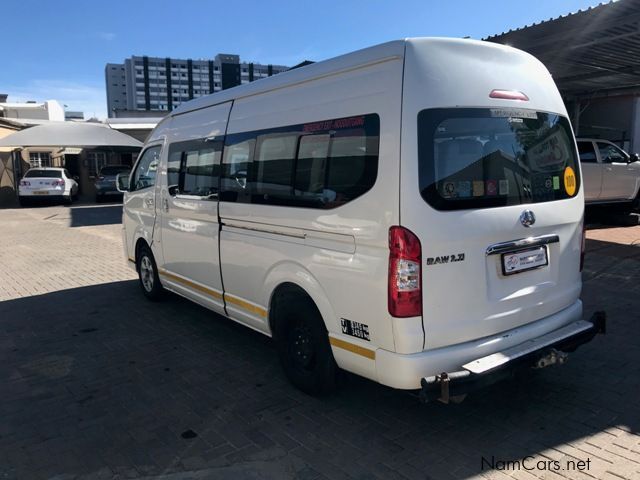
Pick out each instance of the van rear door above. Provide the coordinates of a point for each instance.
(499, 220)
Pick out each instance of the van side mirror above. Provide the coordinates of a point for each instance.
(634, 157)
(122, 182)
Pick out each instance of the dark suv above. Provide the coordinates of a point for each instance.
(106, 181)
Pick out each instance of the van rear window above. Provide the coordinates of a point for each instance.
(484, 157)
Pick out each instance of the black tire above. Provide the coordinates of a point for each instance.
(303, 347)
(148, 274)
(67, 199)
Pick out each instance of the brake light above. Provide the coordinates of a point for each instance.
(58, 183)
(583, 245)
(405, 273)
(509, 95)
(25, 183)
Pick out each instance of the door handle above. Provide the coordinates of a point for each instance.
(149, 202)
(165, 205)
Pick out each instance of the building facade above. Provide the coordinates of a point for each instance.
(154, 84)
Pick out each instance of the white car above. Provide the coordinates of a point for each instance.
(411, 212)
(47, 182)
(610, 175)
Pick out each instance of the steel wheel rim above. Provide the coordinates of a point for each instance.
(146, 273)
(301, 349)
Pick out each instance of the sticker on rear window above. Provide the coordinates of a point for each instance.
(512, 113)
(492, 187)
(478, 188)
(464, 188)
(570, 181)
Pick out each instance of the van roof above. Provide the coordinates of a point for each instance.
(349, 61)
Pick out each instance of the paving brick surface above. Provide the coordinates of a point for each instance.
(97, 382)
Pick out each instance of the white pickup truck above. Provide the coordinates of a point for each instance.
(610, 175)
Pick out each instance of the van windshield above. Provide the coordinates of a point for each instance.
(493, 157)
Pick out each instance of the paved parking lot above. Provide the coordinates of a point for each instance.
(96, 382)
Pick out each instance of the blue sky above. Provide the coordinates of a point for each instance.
(58, 49)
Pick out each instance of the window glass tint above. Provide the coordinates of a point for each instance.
(273, 167)
(44, 174)
(352, 166)
(311, 167)
(235, 170)
(201, 171)
(321, 164)
(145, 174)
(610, 153)
(173, 166)
(193, 167)
(587, 152)
(481, 157)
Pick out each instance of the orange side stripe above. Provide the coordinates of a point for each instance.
(245, 305)
(357, 349)
(190, 284)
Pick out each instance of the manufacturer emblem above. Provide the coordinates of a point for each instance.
(527, 218)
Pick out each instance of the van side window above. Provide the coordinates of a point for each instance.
(145, 174)
(173, 166)
(201, 171)
(273, 167)
(237, 157)
(194, 167)
(311, 167)
(352, 166)
(321, 164)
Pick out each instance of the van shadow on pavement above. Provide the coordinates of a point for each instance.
(97, 380)
(93, 215)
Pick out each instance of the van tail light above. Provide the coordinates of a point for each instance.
(583, 245)
(405, 273)
(509, 95)
(25, 183)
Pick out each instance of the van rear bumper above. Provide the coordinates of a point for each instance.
(539, 352)
(405, 371)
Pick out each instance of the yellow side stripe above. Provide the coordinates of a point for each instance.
(245, 305)
(357, 349)
(214, 293)
(190, 284)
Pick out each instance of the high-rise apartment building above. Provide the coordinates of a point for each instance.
(154, 84)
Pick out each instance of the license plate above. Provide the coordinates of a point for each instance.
(524, 260)
(41, 193)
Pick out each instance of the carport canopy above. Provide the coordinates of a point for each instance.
(69, 134)
(593, 51)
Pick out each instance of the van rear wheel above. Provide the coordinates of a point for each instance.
(148, 274)
(303, 347)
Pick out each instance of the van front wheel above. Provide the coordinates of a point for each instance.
(148, 274)
(303, 347)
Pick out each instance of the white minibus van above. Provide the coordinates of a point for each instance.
(411, 212)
